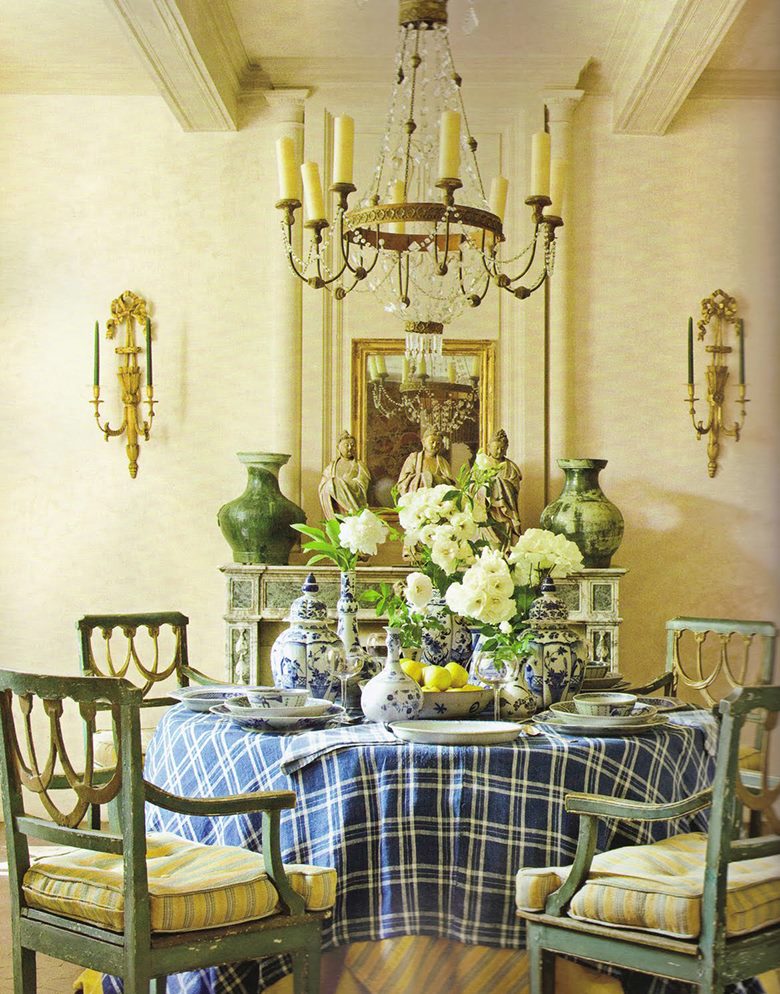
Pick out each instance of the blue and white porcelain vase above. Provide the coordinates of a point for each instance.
(391, 695)
(449, 640)
(555, 665)
(299, 656)
(347, 629)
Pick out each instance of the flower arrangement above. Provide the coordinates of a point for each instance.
(496, 590)
(404, 604)
(345, 538)
(441, 529)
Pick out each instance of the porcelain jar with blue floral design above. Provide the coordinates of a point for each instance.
(300, 655)
(555, 663)
(448, 639)
(391, 695)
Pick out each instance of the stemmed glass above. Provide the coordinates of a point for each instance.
(345, 665)
(495, 675)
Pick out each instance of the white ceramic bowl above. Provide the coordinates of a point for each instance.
(454, 704)
(594, 671)
(276, 697)
(605, 703)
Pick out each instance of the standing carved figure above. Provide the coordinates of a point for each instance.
(503, 492)
(344, 484)
(427, 467)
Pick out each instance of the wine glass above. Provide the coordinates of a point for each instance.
(495, 674)
(345, 665)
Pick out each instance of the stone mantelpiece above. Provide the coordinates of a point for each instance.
(259, 598)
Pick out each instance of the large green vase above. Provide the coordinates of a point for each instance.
(584, 514)
(257, 524)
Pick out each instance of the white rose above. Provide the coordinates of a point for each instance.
(419, 590)
(362, 533)
(444, 553)
(505, 628)
(482, 462)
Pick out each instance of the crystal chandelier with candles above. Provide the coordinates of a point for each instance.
(424, 238)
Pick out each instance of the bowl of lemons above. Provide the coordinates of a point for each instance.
(447, 692)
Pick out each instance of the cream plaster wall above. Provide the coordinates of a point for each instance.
(658, 224)
(103, 195)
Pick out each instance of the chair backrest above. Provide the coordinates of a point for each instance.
(147, 659)
(35, 763)
(713, 656)
(728, 793)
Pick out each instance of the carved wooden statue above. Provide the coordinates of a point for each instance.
(344, 484)
(426, 467)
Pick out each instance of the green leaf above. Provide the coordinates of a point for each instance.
(309, 530)
(325, 547)
(332, 528)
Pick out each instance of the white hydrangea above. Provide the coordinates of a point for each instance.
(362, 533)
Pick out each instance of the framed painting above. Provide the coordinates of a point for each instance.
(394, 402)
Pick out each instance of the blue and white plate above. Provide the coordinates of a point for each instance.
(286, 723)
(204, 697)
(313, 708)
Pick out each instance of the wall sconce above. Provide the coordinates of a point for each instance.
(129, 308)
(721, 310)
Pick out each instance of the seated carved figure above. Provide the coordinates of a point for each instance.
(503, 493)
(344, 484)
(426, 467)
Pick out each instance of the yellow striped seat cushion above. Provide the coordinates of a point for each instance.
(659, 887)
(191, 886)
(105, 753)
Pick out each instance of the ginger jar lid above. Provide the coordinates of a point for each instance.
(548, 608)
(309, 607)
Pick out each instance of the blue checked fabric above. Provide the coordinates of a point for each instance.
(426, 840)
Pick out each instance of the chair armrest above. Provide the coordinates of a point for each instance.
(604, 806)
(231, 804)
(663, 682)
(196, 676)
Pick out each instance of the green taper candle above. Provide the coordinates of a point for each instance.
(96, 368)
(148, 352)
(690, 350)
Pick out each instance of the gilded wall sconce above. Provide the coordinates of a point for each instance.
(718, 311)
(128, 309)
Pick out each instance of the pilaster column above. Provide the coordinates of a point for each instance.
(561, 105)
(283, 372)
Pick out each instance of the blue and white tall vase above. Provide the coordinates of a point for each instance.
(554, 666)
(347, 629)
(448, 640)
(391, 695)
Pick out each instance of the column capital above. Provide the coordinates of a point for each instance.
(561, 104)
(287, 105)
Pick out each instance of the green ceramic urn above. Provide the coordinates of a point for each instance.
(584, 514)
(257, 524)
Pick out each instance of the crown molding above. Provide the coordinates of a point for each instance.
(193, 51)
(656, 55)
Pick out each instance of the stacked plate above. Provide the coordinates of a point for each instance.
(315, 713)
(613, 681)
(205, 697)
(564, 718)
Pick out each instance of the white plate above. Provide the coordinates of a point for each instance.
(290, 723)
(602, 732)
(612, 682)
(567, 712)
(313, 707)
(205, 697)
(456, 732)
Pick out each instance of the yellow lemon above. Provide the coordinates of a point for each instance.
(413, 669)
(459, 674)
(436, 677)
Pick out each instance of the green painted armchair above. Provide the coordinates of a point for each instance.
(126, 903)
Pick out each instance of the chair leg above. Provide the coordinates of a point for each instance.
(25, 979)
(541, 966)
(306, 970)
(158, 985)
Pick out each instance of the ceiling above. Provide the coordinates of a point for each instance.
(220, 49)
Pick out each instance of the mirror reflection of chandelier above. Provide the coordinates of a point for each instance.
(440, 392)
(424, 237)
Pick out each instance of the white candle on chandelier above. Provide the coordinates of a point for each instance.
(312, 191)
(397, 196)
(371, 368)
(381, 365)
(474, 367)
(405, 369)
(559, 171)
(540, 164)
(451, 375)
(449, 145)
(343, 149)
(498, 191)
(422, 366)
(289, 180)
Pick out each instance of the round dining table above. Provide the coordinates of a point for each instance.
(426, 839)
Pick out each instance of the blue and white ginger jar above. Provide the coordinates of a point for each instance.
(450, 641)
(299, 656)
(554, 668)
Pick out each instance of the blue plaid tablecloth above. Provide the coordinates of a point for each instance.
(426, 840)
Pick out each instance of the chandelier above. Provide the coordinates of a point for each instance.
(423, 237)
(426, 394)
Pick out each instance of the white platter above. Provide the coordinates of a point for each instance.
(290, 723)
(205, 697)
(313, 708)
(456, 732)
(566, 711)
(614, 728)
